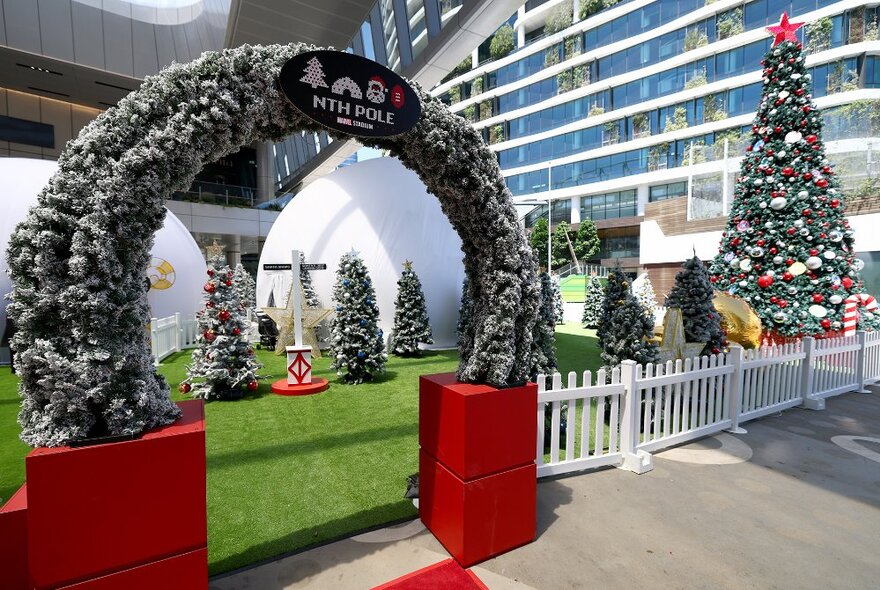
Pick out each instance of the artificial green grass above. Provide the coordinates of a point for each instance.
(285, 473)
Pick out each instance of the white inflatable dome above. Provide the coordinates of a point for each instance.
(383, 211)
(177, 268)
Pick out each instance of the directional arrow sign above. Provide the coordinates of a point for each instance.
(277, 267)
(313, 266)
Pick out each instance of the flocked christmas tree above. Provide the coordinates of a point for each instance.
(593, 305)
(223, 363)
(465, 313)
(411, 323)
(788, 248)
(643, 289)
(544, 332)
(693, 293)
(245, 286)
(625, 328)
(357, 345)
(558, 304)
(305, 279)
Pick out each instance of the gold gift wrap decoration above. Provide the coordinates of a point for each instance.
(738, 319)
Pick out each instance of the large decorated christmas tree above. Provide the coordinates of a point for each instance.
(357, 347)
(788, 247)
(411, 323)
(223, 364)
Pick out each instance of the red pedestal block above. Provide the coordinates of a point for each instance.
(135, 510)
(477, 474)
(13, 542)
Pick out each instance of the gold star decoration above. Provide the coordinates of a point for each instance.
(283, 318)
(407, 265)
(214, 250)
(674, 345)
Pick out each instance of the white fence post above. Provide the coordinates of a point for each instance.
(809, 344)
(154, 341)
(178, 346)
(860, 362)
(734, 400)
(634, 460)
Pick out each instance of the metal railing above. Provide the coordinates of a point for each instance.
(226, 195)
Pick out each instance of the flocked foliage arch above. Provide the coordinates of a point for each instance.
(78, 260)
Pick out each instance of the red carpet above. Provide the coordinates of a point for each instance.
(446, 575)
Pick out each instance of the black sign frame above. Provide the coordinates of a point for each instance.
(350, 93)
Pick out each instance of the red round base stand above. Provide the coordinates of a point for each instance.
(318, 384)
(477, 473)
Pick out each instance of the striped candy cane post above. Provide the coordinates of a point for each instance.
(851, 311)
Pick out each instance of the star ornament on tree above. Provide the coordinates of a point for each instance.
(784, 31)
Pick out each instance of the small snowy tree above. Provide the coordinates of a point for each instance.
(625, 328)
(558, 304)
(644, 292)
(305, 279)
(245, 286)
(411, 323)
(545, 330)
(357, 346)
(693, 294)
(223, 364)
(593, 305)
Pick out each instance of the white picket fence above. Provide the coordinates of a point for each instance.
(171, 334)
(656, 406)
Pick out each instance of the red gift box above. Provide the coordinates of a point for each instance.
(13, 542)
(477, 473)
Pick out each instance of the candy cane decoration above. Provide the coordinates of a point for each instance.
(851, 311)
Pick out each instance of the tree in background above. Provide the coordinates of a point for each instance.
(562, 245)
(625, 328)
(305, 279)
(544, 333)
(586, 241)
(594, 303)
(558, 19)
(538, 240)
(223, 363)
(502, 42)
(693, 293)
(644, 292)
(411, 323)
(357, 346)
(245, 286)
(558, 303)
(788, 247)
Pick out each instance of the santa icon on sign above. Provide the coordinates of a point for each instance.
(376, 90)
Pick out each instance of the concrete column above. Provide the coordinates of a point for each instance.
(233, 252)
(520, 36)
(265, 172)
(643, 193)
(575, 11)
(475, 57)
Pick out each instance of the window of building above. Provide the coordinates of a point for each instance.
(609, 205)
(561, 211)
(619, 247)
(27, 132)
(662, 192)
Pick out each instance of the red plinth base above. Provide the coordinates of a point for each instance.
(13, 542)
(281, 387)
(477, 474)
(131, 511)
(446, 575)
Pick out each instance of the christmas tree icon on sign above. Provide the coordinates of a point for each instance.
(314, 74)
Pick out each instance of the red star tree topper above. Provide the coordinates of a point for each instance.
(788, 248)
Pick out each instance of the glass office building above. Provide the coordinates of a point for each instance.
(609, 107)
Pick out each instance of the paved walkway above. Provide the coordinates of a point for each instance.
(795, 503)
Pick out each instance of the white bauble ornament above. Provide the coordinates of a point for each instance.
(803, 195)
(743, 283)
(780, 155)
(793, 137)
(757, 252)
(818, 311)
(778, 203)
(734, 263)
(858, 264)
(770, 273)
(829, 255)
(759, 182)
(762, 204)
(745, 265)
(777, 259)
(783, 94)
(798, 223)
(835, 299)
(773, 111)
(797, 268)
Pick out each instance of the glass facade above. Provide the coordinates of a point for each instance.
(609, 205)
(673, 190)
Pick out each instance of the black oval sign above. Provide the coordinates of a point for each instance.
(350, 93)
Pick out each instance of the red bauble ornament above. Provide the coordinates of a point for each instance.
(811, 139)
(765, 281)
(827, 170)
(228, 283)
(835, 203)
(184, 388)
(236, 331)
(825, 323)
(807, 212)
(789, 262)
(224, 315)
(806, 109)
(760, 242)
(713, 279)
(799, 92)
(807, 176)
(818, 298)
(210, 272)
(782, 303)
(209, 304)
(788, 171)
(790, 231)
(814, 252)
(787, 276)
(777, 129)
(822, 183)
(774, 299)
(773, 250)
(846, 282)
(209, 335)
(252, 385)
(209, 287)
